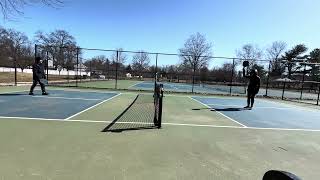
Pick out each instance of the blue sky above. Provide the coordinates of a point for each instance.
(164, 25)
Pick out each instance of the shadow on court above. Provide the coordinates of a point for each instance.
(13, 94)
(120, 129)
(222, 109)
(137, 116)
(231, 109)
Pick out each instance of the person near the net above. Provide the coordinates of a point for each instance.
(253, 87)
(38, 74)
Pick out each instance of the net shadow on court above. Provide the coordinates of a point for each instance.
(13, 94)
(141, 114)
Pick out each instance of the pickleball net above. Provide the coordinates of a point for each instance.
(145, 112)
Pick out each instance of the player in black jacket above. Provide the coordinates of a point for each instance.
(38, 76)
(253, 87)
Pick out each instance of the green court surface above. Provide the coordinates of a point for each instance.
(190, 145)
(108, 84)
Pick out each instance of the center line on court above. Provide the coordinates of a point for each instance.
(218, 112)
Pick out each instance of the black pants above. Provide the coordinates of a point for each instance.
(250, 97)
(34, 84)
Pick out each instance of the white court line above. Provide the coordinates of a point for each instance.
(169, 124)
(92, 106)
(219, 112)
(52, 97)
(57, 97)
(81, 90)
(135, 84)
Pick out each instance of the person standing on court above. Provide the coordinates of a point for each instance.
(253, 87)
(38, 76)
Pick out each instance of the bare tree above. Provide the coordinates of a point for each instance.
(25, 57)
(140, 62)
(14, 8)
(121, 56)
(249, 52)
(274, 53)
(98, 63)
(3, 49)
(18, 48)
(60, 44)
(196, 51)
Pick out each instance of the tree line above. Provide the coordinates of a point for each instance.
(16, 49)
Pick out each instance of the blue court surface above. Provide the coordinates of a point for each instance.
(265, 114)
(184, 87)
(59, 104)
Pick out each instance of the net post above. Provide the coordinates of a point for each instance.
(284, 86)
(117, 59)
(160, 109)
(231, 80)
(302, 86)
(268, 78)
(155, 73)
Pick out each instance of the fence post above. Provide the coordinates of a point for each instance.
(194, 71)
(81, 69)
(116, 84)
(318, 94)
(77, 74)
(268, 78)
(304, 72)
(232, 74)
(47, 59)
(284, 86)
(90, 69)
(107, 68)
(15, 71)
(35, 51)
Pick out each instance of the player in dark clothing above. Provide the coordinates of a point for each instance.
(38, 76)
(253, 87)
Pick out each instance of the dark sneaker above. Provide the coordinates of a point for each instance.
(31, 93)
(45, 93)
(247, 107)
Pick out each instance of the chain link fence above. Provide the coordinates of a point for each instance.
(129, 70)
